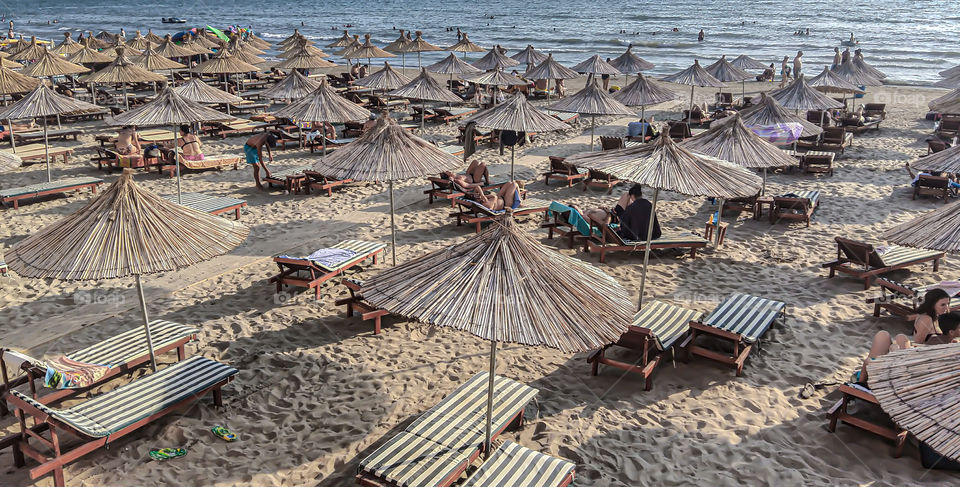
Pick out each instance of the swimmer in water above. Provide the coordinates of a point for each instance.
(700, 36)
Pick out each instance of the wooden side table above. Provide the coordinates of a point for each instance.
(708, 232)
(761, 202)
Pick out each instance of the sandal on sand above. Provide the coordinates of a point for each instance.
(167, 453)
(223, 433)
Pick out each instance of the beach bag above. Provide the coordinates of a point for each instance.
(152, 151)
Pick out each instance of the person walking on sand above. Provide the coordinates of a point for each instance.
(606, 80)
(836, 58)
(784, 71)
(797, 65)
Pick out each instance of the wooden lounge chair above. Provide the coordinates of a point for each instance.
(835, 139)
(858, 128)
(723, 101)
(899, 299)
(863, 261)
(748, 203)
(567, 222)
(798, 205)
(60, 186)
(679, 131)
(206, 203)
(109, 160)
(109, 417)
(317, 143)
(566, 117)
(949, 126)
(817, 162)
(443, 188)
(741, 320)
(598, 179)
(320, 182)
(302, 272)
(474, 213)
(610, 241)
(936, 186)
(356, 304)
(207, 163)
(611, 143)
(451, 114)
(839, 413)
(654, 331)
(563, 171)
(878, 110)
(239, 127)
(820, 118)
(37, 135)
(36, 152)
(698, 117)
(440, 444)
(518, 466)
(290, 179)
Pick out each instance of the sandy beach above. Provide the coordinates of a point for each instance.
(318, 391)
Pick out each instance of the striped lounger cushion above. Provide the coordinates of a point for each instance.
(518, 466)
(665, 321)
(292, 171)
(918, 292)
(131, 344)
(362, 248)
(205, 202)
(678, 239)
(52, 185)
(527, 204)
(121, 407)
(895, 255)
(812, 196)
(746, 315)
(408, 460)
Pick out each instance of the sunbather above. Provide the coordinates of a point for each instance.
(127, 141)
(935, 303)
(472, 178)
(949, 327)
(508, 196)
(916, 177)
(5, 129)
(189, 145)
(611, 215)
(882, 345)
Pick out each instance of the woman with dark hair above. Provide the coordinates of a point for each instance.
(935, 303)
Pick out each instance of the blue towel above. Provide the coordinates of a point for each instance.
(574, 217)
(328, 258)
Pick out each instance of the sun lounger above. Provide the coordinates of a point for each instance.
(832, 139)
(597, 179)
(567, 222)
(108, 159)
(302, 272)
(60, 186)
(320, 182)
(418, 113)
(741, 320)
(798, 205)
(655, 330)
(899, 299)
(248, 106)
(861, 128)
(818, 162)
(78, 117)
(239, 127)
(317, 143)
(748, 203)
(566, 117)
(356, 304)
(949, 126)
(605, 239)
(937, 186)
(518, 466)
(209, 203)
(474, 213)
(36, 152)
(208, 162)
(439, 445)
(451, 114)
(563, 171)
(37, 135)
(453, 149)
(290, 179)
(443, 188)
(875, 110)
(838, 413)
(109, 417)
(863, 260)
(611, 143)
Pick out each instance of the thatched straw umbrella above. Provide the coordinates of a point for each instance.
(935, 230)
(947, 160)
(258, 42)
(595, 65)
(951, 83)
(169, 108)
(124, 231)
(519, 115)
(170, 49)
(122, 71)
(293, 87)
(694, 76)
(386, 152)
(41, 103)
(726, 72)
(153, 37)
(199, 91)
(396, 47)
(642, 92)
(369, 51)
(665, 166)
(303, 46)
(629, 63)
(129, 51)
(503, 285)
(495, 78)
(343, 41)
(745, 62)
(863, 66)
(424, 88)
(139, 42)
(9, 162)
(529, 56)
(347, 52)
(155, 62)
(950, 72)
(50, 64)
(105, 36)
(202, 44)
(67, 46)
(592, 100)
(829, 82)
(464, 45)
(6, 63)
(12, 82)
(918, 387)
(225, 63)
(418, 45)
(551, 70)
(296, 36)
(302, 59)
(856, 75)
(948, 106)
(384, 79)
(85, 55)
(323, 105)
(249, 48)
(31, 52)
(494, 59)
(946, 99)
(767, 113)
(798, 95)
(96, 43)
(245, 55)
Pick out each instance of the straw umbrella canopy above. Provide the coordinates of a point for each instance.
(726, 72)
(19, 45)
(31, 52)
(418, 45)
(67, 46)
(153, 37)
(204, 42)
(798, 95)
(197, 47)
(867, 68)
(106, 36)
(950, 72)
(118, 44)
(464, 45)
(169, 49)
(50, 64)
(666, 166)
(494, 59)
(172, 109)
(503, 285)
(249, 48)
(258, 42)
(946, 99)
(302, 47)
(384, 79)
(125, 231)
(829, 82)
(592, 100)
(122, 71)
(952, 82)
(139, 42)
(245, 56)
(96, 43)
(947, 160)
(386, 152)
(496, 77)
(41, 103)
(12, 82)
(918, 388)
(152, 61)
(854, 74)
(453, 65)
(746, 62)
(595, 65)
(6, 63)
(935, 230)
(694, 76)
(323, 105)
(644, 91)
(343, 41)
(293, 87)
(550, 69)
(424, 88)
(9, 162)
(200, 92)
(949, 106)
(304, 60)
(225, 63)
(369, 51)
(347, 51)
(629, 63)
(768, 113)
(396, 47)
(519, 115)
(529, 56)
(295, 37)
(89, 56)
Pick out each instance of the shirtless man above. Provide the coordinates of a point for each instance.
(845, 56)
(253, 148)
(797, 65)
(127, 141)
(836, 58)
(189, 145)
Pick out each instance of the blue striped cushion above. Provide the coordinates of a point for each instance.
(517, 466)
(665, 321)
(812, 196)
(63, 184)
(204, 202)
(746, 315)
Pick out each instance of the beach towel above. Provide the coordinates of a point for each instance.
(64, 373)
(331, 257)
(779, 133)
(574, 217)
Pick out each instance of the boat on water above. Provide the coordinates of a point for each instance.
(173, 20)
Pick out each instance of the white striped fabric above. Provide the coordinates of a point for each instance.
(667, 323)
(812, 196)
(48, 186)
(527, 204)
(132, 344)
(408, 460)
(673, 239)
(291, 171)
(900, 255)
(746, 315)
(517, 466)
(204, 202)
(363, 249)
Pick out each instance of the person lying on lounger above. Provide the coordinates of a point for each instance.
(916, 177)
(949, 329)
(128, 143)
(472, 178)
(632, 212)
(609, 215)
(935, 303)
(5, 129)
(882, 345)
(508, 196)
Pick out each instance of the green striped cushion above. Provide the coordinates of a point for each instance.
(900, 255)
(518, 466)
(48, 186)
(362, 248)
(132, 344)
(205, 202)
(411, 460)
(812, 196)
(746, 315)
(665, 321)
(121, 407)
(678, 239)
(527, 204)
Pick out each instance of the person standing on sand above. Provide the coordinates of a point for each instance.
(606, 79)
(253, 148)
(10, 31)
(784, 71)
(845, 56)
(836, 58)
(797, 65)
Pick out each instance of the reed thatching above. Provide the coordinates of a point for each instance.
(196, 47)
(249, 48)
(169, 49)
(295, 38)
(529, 56)
(746, 62)
(419, 45)
(592, 100)
(665, 165)
(495, 77)
(31, 52)
(453, 65)
(6, 63)
(105, 36)
(200, 92)
(18, 45)
(14, 82)
(734, 142)
(224, 62)
(96, 43)
(383, 79)
(424, 87)
(369, 51)
(504, 285)
(726, 72)
(949, 106)
(935, 230)
(630, 63)
(398, 44)
(865, 67)
(464, 45)
(950, 72)
(829, 82)
(129, 51)
(494, 59)
(246, 57)
(139, 42)
(304, 60)
(948, 98)
(550, 69)
(168, 108)
(799, 96)
(124, 231)
(695, 75)
(854, 74)
(258, 42)
(920, 388)
(44, 102)
(347, 51)
(122, 70)
(153, 37)
(51, 64)
(516, 114)
(303, 47)
(323, 105)
(767, 112)
(67, 46)
(293, 87)
(205, 42)
(644, 91)
(947, 160)
(89, 56)
(9, 161)
(386, 152)
(154, 62)
(595, 65)
(344, 40)
(951, 83)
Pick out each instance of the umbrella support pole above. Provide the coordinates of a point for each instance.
(423, 113)
(719, 219)
(593, 128)
(493, 369)
(646, 251)
(324, 137)
(763, 188)
(13, 142)
(393, 227)
(93, 95)
(176, 163)
(46, 147)
(689, 113)
(126, 101)
(146, 324)
(513, 158)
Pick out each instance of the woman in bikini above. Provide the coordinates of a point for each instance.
(935, 303)
(508, 196)
(128, 143)
(472, 178)
(882, 345)
(189, 145)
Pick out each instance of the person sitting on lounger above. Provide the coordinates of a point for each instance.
(637, 217)
(561, 90)
(189, 145)
(935, 303)
(916, 177)
(508, 196)
(253, 149)
(949, 327)
(768, 74)
(128, 143)
(5, 129)
(610, 215)
(882, 345)
(472, 178)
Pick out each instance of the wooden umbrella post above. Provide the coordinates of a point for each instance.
(593, 127)
(176, 163)
(46, 147)
(146, 324)
(13, 142)
(719, 218)
(690, 113)
(393, 226)
(646, 251)
(490, 383)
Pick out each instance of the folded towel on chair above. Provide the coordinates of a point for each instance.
(331, 257)
(574, 217)
(64, 373)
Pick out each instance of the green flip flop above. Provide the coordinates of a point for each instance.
(223, 433)
(161, 454)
